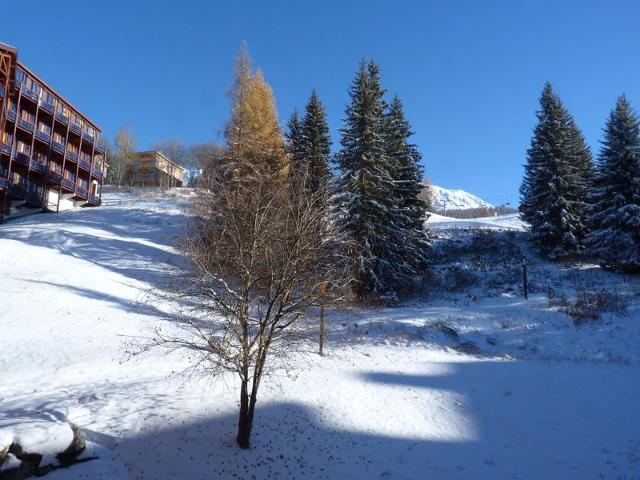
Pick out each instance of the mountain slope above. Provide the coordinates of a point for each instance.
(451, 199)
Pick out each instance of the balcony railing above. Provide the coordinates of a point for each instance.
(94, 199)
(72, 156)
(58, 147)
(99, 148)
(4, 183)
(82, 192)
(5, 148)
(26, 125)
(35, 198)
(97, 172)
(61, 118)
(18, 84)
(11, 115)
(38, 167)
(85, 165)
(88, 138)
(2, 91)
(29, 94)
(43, 137)
(17, 189)
(54, 177)
(68, 184)
(75, 128)
(47, 107)
(22, 158)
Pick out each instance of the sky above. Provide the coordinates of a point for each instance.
(468, 72)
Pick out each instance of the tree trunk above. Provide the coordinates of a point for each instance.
(245, 420)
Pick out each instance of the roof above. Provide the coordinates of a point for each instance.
(158, 152)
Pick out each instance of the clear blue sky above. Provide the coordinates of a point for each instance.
(469, 72)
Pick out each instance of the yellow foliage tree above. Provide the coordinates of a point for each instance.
(253, 134)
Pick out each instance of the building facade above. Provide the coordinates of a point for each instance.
(154, 169)
(50, 155)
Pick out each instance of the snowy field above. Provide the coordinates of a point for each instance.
(471, 381)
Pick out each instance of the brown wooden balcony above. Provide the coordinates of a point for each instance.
(68, 185)
(11, 115)
(61, 118)
(5, 148)
(38, 167)
(58, 147)
(26, 126)
(4, 183)
(75, 128)
(82, 192)
(43, 137)
(22, 158)
(84, 165)
(54, 178)
(47, 108)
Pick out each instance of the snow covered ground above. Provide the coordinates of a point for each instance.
(463, 383)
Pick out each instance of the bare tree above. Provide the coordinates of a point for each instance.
(122, 157)
(263, 259)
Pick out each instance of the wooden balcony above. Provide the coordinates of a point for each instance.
(47, 108)
(72, 156)
(58, 147)
(2, 91)
(38, 167)
(54, 177)
(61, 118)
(26, 93)
(94, 200)
(85, 165)
(11, 116)
(4, 183)
(82, 193)
(68, 185)
(97, 172)
(26, 126)
(75, 128)
(22, 158)
(43, 137)
(88, 138)
(5, 148)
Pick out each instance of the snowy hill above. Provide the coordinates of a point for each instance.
(456, 199)
(508, 388)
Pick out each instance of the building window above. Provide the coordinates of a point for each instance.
(72, 148)
(27, 117)
(20, 75)
(58, 138)
(41, 158)
(23, 148)
(7, 138)
(44, 128)
(55, 167)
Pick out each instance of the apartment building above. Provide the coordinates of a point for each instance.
(50, 154)
(153, 168)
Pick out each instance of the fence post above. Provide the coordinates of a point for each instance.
(525, 282)
(323, 288)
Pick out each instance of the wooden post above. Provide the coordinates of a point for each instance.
(323, 289)
(525, 282)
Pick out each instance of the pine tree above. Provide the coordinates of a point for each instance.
(293, 137)
(404, 163)
(554, 192)
(316, 143)
(615, 220)
(367, 213)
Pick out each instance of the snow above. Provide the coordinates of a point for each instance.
(455, 199)
(511, 221)
(394, 398)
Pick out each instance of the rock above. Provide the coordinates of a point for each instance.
(447, 330)
(76, 447)
(470, 348)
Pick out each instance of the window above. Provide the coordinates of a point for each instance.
(58, 137)
(12, 106)
(91, 132)
(49, 99)
(41, 158)
(27, 117)
(72, 148)
(44, 128)
(7, 138)
(23, 148)
(55, 167)
(20, 75)
(85, 157)
(69, 175)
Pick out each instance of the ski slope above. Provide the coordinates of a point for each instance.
(393, 399)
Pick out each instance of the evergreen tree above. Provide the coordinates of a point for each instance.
(293, 137)
(404, 158)
(615, 220)
(367, 213)
(316, 143)
(558, 173)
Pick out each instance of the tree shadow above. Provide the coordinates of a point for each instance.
(480, 420)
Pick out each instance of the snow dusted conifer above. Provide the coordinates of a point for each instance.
(615, 220)
(293, 137)
(557, 179)
(316, 143)
(366, 208)
(406, 171)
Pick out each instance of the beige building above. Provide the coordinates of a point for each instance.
(152, 168)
